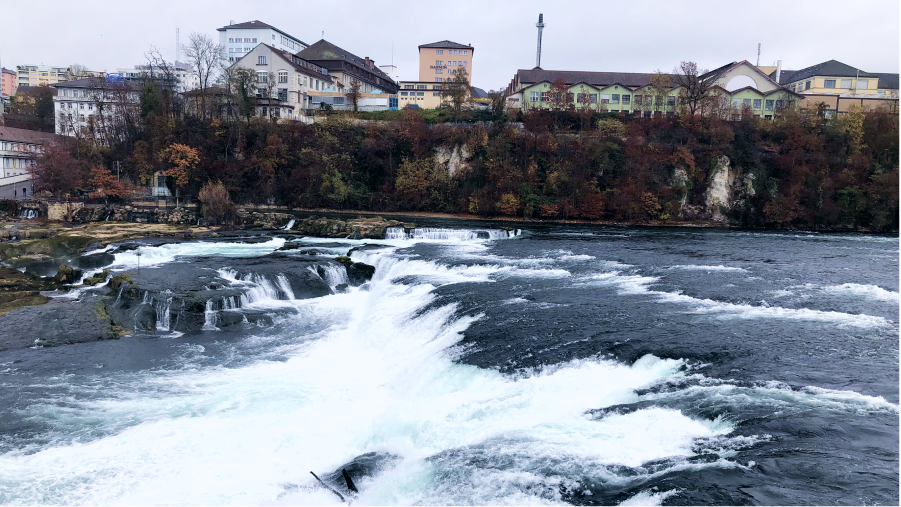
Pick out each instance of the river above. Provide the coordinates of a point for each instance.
(555, 364)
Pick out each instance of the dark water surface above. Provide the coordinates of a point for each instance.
(568, 364)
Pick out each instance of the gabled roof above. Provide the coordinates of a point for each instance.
(725, 68)
(785, 76)
(887, 81)
(478, 93)
(258, 24)
(830, 68)
(538, 75)
(25, 136)
(324, 50)
(446, 44)
(289, 58)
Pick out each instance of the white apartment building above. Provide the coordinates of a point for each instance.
(99, 104)
(187, 79)
(294, 79)
(239, 39)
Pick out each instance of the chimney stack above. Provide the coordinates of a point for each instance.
(540, 26)
(778, 70)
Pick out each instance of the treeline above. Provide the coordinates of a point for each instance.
(800, 170)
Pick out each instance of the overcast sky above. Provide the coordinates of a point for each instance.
(635, 36)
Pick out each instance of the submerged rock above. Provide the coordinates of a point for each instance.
(358, 273)
(59, 322)
(67, 275)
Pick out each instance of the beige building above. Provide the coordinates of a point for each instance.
(36, 75)
(425, 94)
(441, 61)
(836, 78)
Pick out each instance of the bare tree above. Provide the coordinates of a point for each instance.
(161, 75)
(205, 56)
(695, 84)
(77, 71)
(661, 84)
(353, 94)
(456, 92)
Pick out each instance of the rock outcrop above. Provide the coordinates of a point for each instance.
(719, 195)
(359, 228)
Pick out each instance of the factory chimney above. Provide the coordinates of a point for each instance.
(540, 26)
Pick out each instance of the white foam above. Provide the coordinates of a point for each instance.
(693, 267)
(648, 497)
(162, 254)
(872, 292)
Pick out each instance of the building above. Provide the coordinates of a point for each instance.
(103, 107)
(424, 95)
(8, 82)
(345, 68)
(239, 39)
(836, 78)
(739, 88)
(183, 73)
(18, 147)
(440, 61)
(285, 82)
(36, 75)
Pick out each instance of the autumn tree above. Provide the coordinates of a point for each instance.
(508, 204)
(353, 94)
(105, 185)
(661, 84)
(695, 85)
(558, 96)
(182, 160)
(217, 206)
(55, 170)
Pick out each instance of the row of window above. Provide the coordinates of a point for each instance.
(452, 51)
(240, 50)
(648, 100)
(420, 94)
(239, 39)
(421, 87)
(16, 146)
(68, 105)
(862, 84)
(439, 63)
(17, 163)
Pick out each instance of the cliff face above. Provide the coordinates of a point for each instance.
(719, 190)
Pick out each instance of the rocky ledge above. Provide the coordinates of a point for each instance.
(358, 228)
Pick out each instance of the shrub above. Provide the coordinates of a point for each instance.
(218, 207)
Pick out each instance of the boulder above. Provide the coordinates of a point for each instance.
(67, 275)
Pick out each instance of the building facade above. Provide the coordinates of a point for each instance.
(423, 94)
(836, 78)
(184, 75)
(18, 148)
(239, 39)
(36, 75)
(8, 82)
(101, 107)
(739, 89)
(442, 61)
(285, 82)
(346, 68)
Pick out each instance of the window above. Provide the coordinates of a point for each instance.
(262, 77)
(317, 84)
(403, 94)
(231, 39)
(439, 62)
(767, 117)
(736, 103)
(845, 83)
(746, 103)
(626, 99)
(421, 87)
(439, 71)
(638, 99)
(807, 85)
(863, 84)
(543, 96)
(246, 39)
(420, 94)
(605, 99)
(409, 87)
(671, 101)
(261, 60)
(464, 63)
(829, 83)
(436, 94)
(283, 76)
(769, 105)
(261, 92)
(264, 112)
(593, 97)
(757, 103)
(466, 52)
(647, 114)
(780, 104)
(533, 97)
(614, 99)
(80, 106)
(283, 94)
(439, 51)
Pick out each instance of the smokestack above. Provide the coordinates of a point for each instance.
(758, 54)
(778, 70)
(231, 22)
(540, 26)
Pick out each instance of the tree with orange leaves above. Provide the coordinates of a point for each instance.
(183, 160)
(105, 184)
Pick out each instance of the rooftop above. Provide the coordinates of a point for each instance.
(830, 68)
(446, 44)
(258, 24)
(25, 136)
(538, 75)
(325, 50)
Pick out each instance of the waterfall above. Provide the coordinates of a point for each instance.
(28, 213)
(289, 226)
(332, 274)
(263, 290)
(162, 313)
(209, 317)
(433, 233)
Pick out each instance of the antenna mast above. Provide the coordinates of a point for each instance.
(540, 25)
(177, 44)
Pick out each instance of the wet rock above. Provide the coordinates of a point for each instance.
(67, 275)
(368, 465)
(18, 289)
(98, 278)
(59, 322)
(358, 273)
(358, 228)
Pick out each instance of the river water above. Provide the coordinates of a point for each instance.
(581, 365)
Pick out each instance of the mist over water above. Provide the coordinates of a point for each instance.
(550, 365)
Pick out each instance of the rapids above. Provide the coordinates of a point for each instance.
(480, 365)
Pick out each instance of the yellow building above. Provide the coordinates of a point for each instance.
(836, 78)
(425, 94)
(36, 75)
(441, 61)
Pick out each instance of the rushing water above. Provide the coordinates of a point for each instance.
(555, 365)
